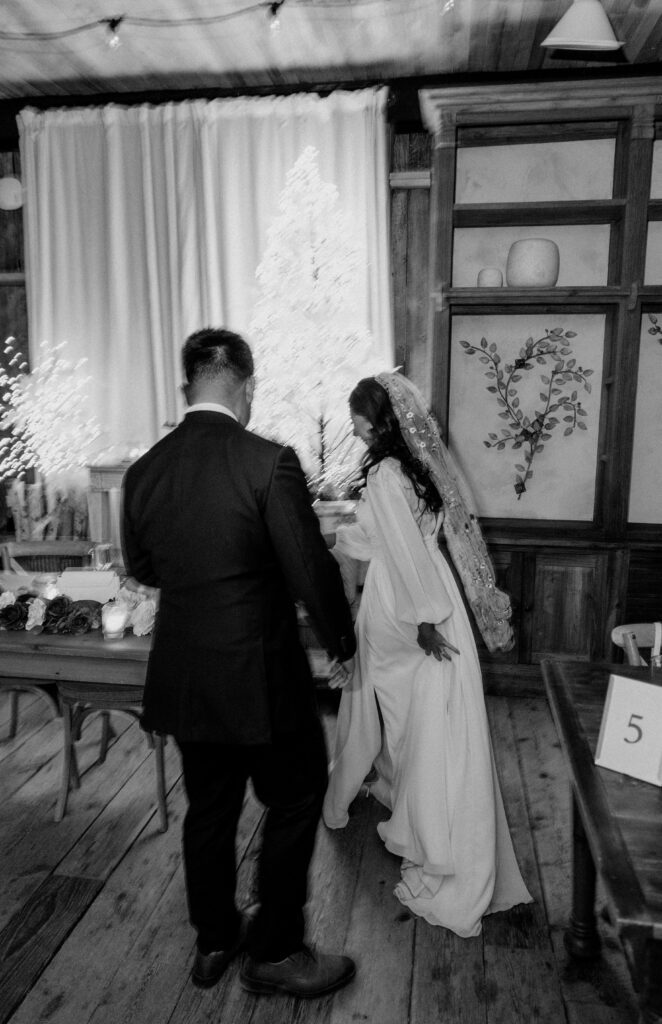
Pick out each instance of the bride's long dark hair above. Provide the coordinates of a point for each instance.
(371, 400)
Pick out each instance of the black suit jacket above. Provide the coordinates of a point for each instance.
(221, 521)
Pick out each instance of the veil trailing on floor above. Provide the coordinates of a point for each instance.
(490, 606)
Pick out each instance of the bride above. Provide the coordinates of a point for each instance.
(412, 716)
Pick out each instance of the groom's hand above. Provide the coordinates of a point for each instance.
(433, 642)
(341, 673)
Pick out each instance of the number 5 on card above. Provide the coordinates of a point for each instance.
(630, 739)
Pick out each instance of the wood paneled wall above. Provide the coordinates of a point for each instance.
(410, 252)
(13, 309)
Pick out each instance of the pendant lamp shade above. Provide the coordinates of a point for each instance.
(584, 26)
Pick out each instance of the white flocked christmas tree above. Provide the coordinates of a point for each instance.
(309, 342)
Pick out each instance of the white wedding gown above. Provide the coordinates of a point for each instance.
(433, 753)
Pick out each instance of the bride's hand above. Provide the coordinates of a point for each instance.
(433, 642)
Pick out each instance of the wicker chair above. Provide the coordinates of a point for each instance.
(647, 635)
(77, 703)
(44, 555)
(35, 557)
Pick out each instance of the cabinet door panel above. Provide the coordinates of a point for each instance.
(646, 481)
(644, 587)
(540, 171)
(566, 609)
(524, 412)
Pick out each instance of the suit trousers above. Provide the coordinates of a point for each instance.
(289, 777)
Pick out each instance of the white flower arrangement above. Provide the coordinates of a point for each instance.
(57, 613)
(46, 413)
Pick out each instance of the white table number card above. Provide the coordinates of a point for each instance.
(630, 739)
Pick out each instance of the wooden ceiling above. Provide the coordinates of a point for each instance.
(191, 45)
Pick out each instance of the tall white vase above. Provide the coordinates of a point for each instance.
(533, 263)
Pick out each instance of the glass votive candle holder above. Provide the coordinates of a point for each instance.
(45, 585)
(114, 619)
(100, 556)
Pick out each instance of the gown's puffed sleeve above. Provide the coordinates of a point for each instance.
(354, 540)
(353, 545)
(420, 594)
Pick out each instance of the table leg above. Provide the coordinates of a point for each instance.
(106, 734)
(13, 713)
(159, 754)
(650, 978)
(68, 726)
(582, 939)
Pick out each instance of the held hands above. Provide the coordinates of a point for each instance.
(432, 642)
(341, 673)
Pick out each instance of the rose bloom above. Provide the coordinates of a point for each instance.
(80, 618)
(36, 610)
(56, 609)
(7, 598)
(142, 618)
(14, 616)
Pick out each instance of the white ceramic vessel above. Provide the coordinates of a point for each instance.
(533, 263)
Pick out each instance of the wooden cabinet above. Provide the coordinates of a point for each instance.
(564, 473)
(566, 598)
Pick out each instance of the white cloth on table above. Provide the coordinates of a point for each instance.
(432, 747)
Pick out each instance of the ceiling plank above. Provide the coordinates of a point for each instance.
(321, 43)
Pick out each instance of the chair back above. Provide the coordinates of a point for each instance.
(44, 555)
(646, 634)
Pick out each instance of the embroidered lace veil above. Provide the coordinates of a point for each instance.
(466, 545)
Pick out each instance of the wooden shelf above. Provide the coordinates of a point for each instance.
(12, 277)
(526, 298)
(482, 215)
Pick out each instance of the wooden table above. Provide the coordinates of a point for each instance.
(92, 675)
(617, 832)
(87, 658)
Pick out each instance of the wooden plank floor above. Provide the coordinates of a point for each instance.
(93, 926)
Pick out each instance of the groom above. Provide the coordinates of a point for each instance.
(221, 521)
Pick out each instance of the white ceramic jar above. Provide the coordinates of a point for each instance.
(533, 263)
(489, 277)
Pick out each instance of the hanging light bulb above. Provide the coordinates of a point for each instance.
(113, 39)
(274, 15)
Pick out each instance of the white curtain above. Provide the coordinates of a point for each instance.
(145, 223)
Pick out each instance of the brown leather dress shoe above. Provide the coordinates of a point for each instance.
(305, 974)
(208, 968)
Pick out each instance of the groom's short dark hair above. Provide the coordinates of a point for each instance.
(215, 352)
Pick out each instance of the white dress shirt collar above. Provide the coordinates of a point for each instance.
(210, 407)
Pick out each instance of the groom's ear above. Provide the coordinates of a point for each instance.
(250, 389)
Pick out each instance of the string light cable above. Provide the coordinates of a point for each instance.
(272, 8)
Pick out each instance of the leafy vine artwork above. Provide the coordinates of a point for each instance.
(655, 329)
(559, 400)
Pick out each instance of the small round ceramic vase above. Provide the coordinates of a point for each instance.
(489, 277)
(533, 263)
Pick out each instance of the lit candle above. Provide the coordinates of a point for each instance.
(45, 586)
(114, 618)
